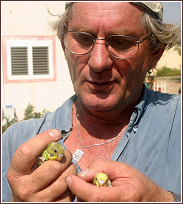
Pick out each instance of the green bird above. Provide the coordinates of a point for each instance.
(54, 151)
(101, 179)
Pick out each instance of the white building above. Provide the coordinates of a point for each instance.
(26, 37)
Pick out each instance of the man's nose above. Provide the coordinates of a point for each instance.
(100, 59)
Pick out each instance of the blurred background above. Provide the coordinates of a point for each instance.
(166, 76)
(34, 73)
(172, 12)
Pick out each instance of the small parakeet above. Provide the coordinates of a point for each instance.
(54, 151)
(101, 179)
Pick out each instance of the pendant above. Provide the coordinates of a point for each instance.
(77, 155)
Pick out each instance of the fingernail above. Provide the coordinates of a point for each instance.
(55, 133)
(84, 172)
(68, 181)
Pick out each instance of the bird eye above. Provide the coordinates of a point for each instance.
(55, 150)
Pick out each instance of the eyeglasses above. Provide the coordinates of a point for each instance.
(119, 46)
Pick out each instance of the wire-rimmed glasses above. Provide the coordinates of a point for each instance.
(119, 46)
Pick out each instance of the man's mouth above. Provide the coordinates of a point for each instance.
(100, 85)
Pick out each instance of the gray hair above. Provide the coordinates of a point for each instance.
(162, 35)
(61, 25)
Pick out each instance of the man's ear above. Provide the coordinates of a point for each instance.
(156, 57)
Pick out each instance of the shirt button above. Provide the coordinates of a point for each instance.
(64, 134)
(135, 127)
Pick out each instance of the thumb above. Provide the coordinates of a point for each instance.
(78, 187)
(90, 193)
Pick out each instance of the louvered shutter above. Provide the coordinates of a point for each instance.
(19, 61)
(40, 60)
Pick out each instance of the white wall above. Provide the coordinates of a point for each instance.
(170, 59)
(26, 18)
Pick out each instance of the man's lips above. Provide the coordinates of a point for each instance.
(100, 85)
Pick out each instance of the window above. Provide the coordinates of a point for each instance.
(29, 58)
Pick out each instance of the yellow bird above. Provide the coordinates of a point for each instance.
(101, 179)
(54, 151)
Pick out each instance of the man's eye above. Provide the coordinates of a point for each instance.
(83, 40)
(121, 43)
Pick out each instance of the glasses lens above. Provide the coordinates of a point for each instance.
(78, 42)
(123, 47)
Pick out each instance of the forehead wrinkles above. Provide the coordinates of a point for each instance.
(98, 10)
(104, 10)
(101, 8)
(117, 15)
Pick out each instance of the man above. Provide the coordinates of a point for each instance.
(113, 124)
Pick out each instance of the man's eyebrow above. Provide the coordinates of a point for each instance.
(81, 29)
(126, 33)
(121, 32)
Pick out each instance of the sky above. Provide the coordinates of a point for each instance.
(172, 12)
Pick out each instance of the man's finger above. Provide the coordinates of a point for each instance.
(90, 193)
(58, 188)
(104, 166)
(49, 171)
(26, 154)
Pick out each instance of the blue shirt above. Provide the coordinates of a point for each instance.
(151, 143)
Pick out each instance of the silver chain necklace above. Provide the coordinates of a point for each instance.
(79, 152)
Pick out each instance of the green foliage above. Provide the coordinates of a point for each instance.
(28, 113)
(8, 123)
(165, 71)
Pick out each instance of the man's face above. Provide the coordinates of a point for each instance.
(102, 82)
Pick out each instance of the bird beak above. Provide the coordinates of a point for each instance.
(101, 183)
(60, 156)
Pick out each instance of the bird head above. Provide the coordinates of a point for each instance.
(101, 179)
(55, 151)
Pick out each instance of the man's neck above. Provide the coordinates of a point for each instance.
(101, 123)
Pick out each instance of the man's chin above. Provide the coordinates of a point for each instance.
(99, 102)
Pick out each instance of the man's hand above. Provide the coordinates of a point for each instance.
(128, 184)
(47, 182)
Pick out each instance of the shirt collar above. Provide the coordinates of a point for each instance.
(63, 120)
(137, 114)
(142, 103)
